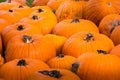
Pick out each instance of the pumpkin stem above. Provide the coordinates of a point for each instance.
(109, 4)
(53, 10)
(35, 17)
(74, 67)
(27, 39)
(75, 20)
(10, 10)
(53, 73)
(21, 62)
(60, 55)
(101, 52)
(40, 10)
(89, 37)
(116, 23)
(20, 27)
(9, 1)
(20, 6)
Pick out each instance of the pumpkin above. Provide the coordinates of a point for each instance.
(70, 9)
(19, 69)
(115, 34)
(116, 50)
(29, 46)
(82, 42)
(16, 29)
(61, 61)
(108, 24)
(1, 60)
(69, 27)
(92, 66)
(54, 4)
(53, 74)
(1, 47)
(96, 10)
(57, 40)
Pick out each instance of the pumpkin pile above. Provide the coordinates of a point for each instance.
(59, 39)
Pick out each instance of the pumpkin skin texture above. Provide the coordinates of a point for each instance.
(54, 4)
(115, 35)
(66, 11)
(104, 66)
(30, 46)
(95, 10)
(17, 29)
(19, 69)
(53, 74)
(57, 40)
(1, 60)
(61, 61)
(108, 24)
(82, 42)
(69, 27)
(116, 50)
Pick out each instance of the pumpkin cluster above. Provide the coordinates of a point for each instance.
(59, 40)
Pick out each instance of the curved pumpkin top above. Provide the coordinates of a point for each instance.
(108, 24)
(85, 42)
(69, 27)
(53, 74)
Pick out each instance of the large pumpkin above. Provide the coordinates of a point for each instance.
(19, 69)
(82, 42)
(95, 10)
(16, 29)
(108, 24)
(61, 61)
(69, 27)
(70, 9)
(92, 66)
(29, 46)
(53, 74)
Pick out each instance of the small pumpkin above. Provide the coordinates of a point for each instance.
(96, 10)
(82, 42)
(16, 29)
(19, 69)
(29, 46)
(116, 50)
(69, 27)
(53, 74)
(92, 66)
(70, 9)
(61, 61)
(108, 24)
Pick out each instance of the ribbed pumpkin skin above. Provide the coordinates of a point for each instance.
(69, 27)
(81, 42)
(98, 67)
(17, 29)
(97, 9)
(61, 62)
(66, 11)
(20, 47)
(65, 75)
(115, 35)
(14, 70)
(108, 23)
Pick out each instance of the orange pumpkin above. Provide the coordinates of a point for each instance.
(82, 42)
(61, 61)
(108, 24)
(70, 9)
(53, 74)
(115, 34)
(1, 60)
(116, 50)
(29, 46)
(16, 29)
(1, 47)
(54, 4)
(69, 27)
(57, 40)
(97, 66)
(19, 69)
(96, 10)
